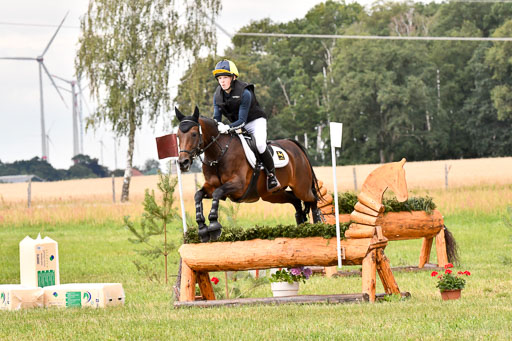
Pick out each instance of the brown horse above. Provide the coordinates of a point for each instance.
(228, 174)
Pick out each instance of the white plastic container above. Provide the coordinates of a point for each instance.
(280, 289)
(93, 295)
(39, 262)
(16, 296)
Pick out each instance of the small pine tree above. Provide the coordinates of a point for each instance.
(154, 222)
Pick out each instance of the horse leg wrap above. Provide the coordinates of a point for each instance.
(299, 218)
(215, 228)
(204, 235)
(202, 228)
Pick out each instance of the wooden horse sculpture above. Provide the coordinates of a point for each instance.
(228, 174)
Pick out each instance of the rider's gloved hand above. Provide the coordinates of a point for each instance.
(223, 128)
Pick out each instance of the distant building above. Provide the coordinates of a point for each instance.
(136, 172)
(19, 178)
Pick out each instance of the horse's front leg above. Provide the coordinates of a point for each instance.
(215, 228)
(202, 228)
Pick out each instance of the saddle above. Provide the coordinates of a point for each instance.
(279, 155)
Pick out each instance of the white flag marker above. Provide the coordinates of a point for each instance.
(336, 136)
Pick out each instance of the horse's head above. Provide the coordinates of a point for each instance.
(190, 139)
(397, 183)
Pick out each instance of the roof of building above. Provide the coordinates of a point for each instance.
(19, 178)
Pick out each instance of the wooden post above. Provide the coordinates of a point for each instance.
(355, 178)
(426, 246)
(330, 271)
(113, 189)
(188, 283)
(226, 284)
(446, 171)
(385, 273)
(442, 257)
(369, 274)
(205, 285)
(29, 193)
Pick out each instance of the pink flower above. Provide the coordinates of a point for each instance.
(307, 272)
(448, 271)
(434, 273)
(295, 271)
(215, 280)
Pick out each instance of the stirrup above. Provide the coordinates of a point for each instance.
(272, 179)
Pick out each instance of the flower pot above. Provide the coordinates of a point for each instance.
(451, 294)
(280, 289)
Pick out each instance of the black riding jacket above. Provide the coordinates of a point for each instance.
(229, 105)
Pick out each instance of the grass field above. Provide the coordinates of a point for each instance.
(94, 247)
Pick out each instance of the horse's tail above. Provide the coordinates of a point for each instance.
(451, 246)
(314, 183)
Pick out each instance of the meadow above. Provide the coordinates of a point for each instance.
(94, 247)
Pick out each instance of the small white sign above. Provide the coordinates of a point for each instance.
(336, 134)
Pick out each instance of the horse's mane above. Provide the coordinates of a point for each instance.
(208, 120)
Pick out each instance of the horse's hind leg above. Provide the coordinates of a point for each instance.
(315, 212)
(289, 197)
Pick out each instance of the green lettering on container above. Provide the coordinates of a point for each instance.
(73, 299)
(45, 278)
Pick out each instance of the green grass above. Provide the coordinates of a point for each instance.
(100, 252)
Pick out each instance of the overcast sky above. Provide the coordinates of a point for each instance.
(20, 126)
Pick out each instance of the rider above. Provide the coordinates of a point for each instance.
(236, 100)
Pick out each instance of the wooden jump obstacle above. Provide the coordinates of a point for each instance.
(364, 245)
(369, 212)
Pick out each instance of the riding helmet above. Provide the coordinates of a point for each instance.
(225, 68)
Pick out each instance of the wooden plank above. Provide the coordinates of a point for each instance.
(426, 247)
(300, 299)
(188, 283)
(370, 202)
(386, 275)
(357, 273)
(360, 231)
(326, 200)
(278, 253)
(205, 285)
(360, 207)
(442, 257)
(369, 274)
(362, 218)
(410, 225)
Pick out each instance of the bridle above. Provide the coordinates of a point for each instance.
(198, 150)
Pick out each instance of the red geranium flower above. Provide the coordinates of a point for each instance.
(434, 273)
(467, 273)
(448, 271)
(449, 265)
(215, 280)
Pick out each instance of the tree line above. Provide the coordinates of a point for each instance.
(83, 167)
(423, 100)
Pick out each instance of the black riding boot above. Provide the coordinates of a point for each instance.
(272, 182)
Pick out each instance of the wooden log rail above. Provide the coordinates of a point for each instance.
(369, 212)
(200, 259)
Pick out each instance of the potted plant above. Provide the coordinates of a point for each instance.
(450, 284)
(285, 282)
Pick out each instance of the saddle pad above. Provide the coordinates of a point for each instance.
(280, 157)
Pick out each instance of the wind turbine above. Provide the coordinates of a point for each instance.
(40, 60)
(77, 113)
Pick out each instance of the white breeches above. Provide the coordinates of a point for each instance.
(258, 128)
